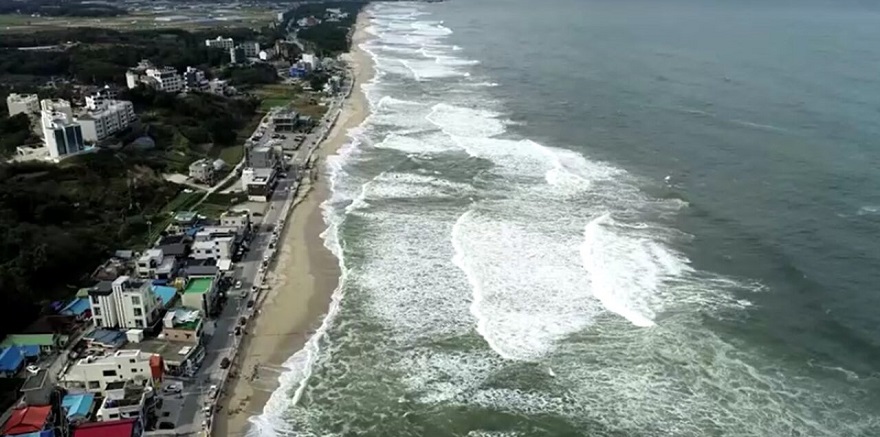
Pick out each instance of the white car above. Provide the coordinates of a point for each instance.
(237, 284)
(173, 388)
(32, 369)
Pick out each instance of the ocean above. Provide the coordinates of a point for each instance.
(604, 218)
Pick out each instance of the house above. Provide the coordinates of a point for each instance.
(125, 400)
(38, 388)
(183, 324)
(240, 220)
(183, 220)
(11, 361)
(217, 248)
(201, 293)
(29, 419)
(78, 307)
(202, 170)
(114, 428)
(166, 294)
(101, 340)
(95, 373)
(259, 183)
(148, 262)
(78, 407)
(49, 333)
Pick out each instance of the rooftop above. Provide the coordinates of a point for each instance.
(11, 359)
(27, 419)
(165, 293)
(183, 318)
(199, 285)
(78, 405)
(76, 307)
(106, 338)
(172, 352)
(103, 288)
(113, 428)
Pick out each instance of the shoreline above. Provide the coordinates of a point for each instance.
(305, 275)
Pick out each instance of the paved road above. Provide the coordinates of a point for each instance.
(220, 344)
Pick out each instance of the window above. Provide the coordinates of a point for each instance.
(97, 311)
(99, 323)
(94, 300)
(139, 323)
(113, 416)
(135, 369)
(109, 373)
(138, 312)
(135, 300)
(131, 360)
(93, 385)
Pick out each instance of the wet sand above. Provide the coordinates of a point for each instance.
(304, 277)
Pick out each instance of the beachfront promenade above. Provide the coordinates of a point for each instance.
(199, 401)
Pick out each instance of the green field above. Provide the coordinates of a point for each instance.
(172, 19)
(276, 95)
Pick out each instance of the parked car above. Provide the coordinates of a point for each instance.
(173, 388)
(238, 330)
(237, 284)
(224, 363)
(32, 369)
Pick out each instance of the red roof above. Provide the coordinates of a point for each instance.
(113, 428)
(27, 419)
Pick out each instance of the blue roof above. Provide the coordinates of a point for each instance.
(78, 405)
(43, 433)
(165, 293)
(30, 350)
(76, 307)
(107, 337)
(11, 359)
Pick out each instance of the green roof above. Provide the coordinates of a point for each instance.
(29, 340)
(198, 285)
(82, 292)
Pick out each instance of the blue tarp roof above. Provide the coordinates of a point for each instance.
(164, 293)
(11, 359)
(78, 405)
(76, 307)
(43, 433)
(31, 350)
(107, 337)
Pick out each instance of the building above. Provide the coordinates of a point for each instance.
(219, 87)
(148, 262)
(128, 303)
(96, 373)
(78, 406)
(108, 118)
(63, 136)
(29, 419)
(311, 60)
(263, 157)
(45, 335)
(240, 220)
(236, 55)
(201, 294)
(194, 80)
(259, 183)
(126, 400)
(202, 171)
(39, 388)
(285, 120)
(12, 360)
(97, 99)
(220, 43)
(166, 79)
(183, 324)
(251, 49)
(22, 104)
(114, 428)
(217, 248)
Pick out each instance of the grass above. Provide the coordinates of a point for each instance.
(183, 201)
(218, 203)
(248, 17)
(276, 95)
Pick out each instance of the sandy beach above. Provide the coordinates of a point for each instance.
(304, 277)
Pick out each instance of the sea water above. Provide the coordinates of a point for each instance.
(595, 218)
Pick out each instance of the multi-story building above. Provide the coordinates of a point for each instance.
(97, 99)
(148, 262)
(202, 170)
(258, 183)
(183, 324)
(166, 79)
(63, 136)
(194, 80)
(240, 220)
(22, 104)
(98, 373)
(220, 43)
(263, 157)
(125, 400)
(110, 117)
(128, 303)
(310, 59)
(217, 248)
(285, 120)
(201, 294)
(251, 49)
(57, 105)
(236, 55)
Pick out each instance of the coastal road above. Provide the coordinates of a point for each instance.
(223, 340)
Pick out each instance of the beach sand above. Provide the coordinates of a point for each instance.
(304, 277)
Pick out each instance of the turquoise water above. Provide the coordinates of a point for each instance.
(604, 219)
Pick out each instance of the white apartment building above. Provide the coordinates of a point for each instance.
(105, 120)
(97, 99)
(22, 104)
(149, 262)
(132, 79)
(258, 183)
(216, 248)
(57, 105)
(220, 43)
(202, 170)
(166, 79)
(62, 135)
(95, 373)
(127, 304)
(312, 60)
(251, 49)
